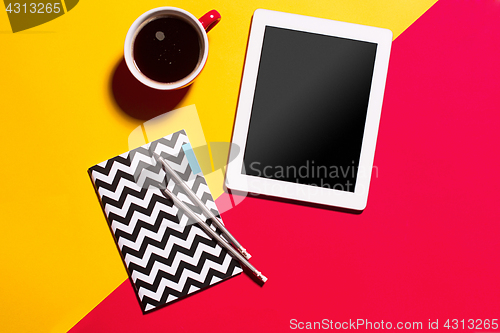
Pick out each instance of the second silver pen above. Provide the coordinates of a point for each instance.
(226, 234)
(213, 234)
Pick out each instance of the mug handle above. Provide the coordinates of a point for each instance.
(210, 20)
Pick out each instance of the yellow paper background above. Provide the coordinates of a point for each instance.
(59, 118)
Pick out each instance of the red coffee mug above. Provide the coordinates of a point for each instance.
(202, 26)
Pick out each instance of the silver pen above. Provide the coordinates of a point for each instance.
(235, 254)
(228, 237)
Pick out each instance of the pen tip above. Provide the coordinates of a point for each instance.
(261, 276)
(244, 253)
(156, 156)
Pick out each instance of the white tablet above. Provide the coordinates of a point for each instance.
(309, 109)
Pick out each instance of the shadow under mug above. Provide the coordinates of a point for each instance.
(202, 26)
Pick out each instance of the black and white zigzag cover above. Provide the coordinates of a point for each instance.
(166, 254)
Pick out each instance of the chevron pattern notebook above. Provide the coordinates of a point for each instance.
(166, 254)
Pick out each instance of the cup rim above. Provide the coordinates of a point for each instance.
(129, 39)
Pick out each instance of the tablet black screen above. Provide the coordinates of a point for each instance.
(309, 109)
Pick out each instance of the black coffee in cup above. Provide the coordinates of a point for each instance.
(167, 49)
